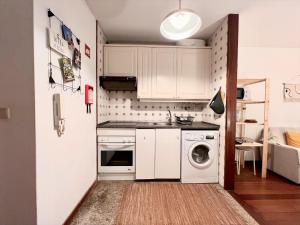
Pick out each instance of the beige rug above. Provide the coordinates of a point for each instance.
(179, 204)
(160, 203)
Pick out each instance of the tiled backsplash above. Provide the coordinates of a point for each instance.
(124, 105)
(101, 94)
(218, 42)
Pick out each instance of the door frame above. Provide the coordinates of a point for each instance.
(231, 87)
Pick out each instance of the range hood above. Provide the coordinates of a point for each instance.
(118, 83)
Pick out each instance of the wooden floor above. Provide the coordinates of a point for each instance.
(272, 201)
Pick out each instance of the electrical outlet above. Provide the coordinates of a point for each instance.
(5, 113)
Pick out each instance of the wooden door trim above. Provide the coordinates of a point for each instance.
(231, 86)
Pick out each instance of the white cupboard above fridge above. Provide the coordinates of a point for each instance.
(168, 73)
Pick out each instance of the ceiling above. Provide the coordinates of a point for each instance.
(263, 23)
(139, 20)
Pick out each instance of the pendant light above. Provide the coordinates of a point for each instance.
(180, 24)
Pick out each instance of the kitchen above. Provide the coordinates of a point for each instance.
(147, 99)
(154, 119)
(142, 87)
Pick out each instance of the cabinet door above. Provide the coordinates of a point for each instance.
(120, 61)
(144, 73)
(167, 154)
(164, 73)
(145, 153)
(193, 73)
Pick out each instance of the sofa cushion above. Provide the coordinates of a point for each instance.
(293, 138)
(276, 135)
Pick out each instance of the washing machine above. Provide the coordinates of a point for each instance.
(200, 156)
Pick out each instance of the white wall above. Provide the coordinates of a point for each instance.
(270, 23)
(280, 65)
(17, 135)
(269, 46)
(66, 166)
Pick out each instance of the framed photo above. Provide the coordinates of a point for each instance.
(67, 35)
(77, 58)
(57, 43)
(66, 69)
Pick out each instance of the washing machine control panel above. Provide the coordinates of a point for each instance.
(197, 137)
(193, 137)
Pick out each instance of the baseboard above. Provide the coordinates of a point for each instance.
(116, 176)
(75, 210)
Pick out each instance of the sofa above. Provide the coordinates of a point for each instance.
(282, 158)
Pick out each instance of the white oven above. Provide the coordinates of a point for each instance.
(116, 154)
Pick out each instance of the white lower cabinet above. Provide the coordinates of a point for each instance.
(144, 153)
(167, 154)
(158, 153)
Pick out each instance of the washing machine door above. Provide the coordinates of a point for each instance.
(201, 155)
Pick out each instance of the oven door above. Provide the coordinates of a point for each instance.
(116, 157)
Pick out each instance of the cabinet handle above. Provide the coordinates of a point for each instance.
(144, 138)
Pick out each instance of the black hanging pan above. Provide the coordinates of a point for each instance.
(217, 104)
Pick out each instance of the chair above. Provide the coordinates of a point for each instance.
(240, 154)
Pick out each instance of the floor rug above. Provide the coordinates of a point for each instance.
(160, 203)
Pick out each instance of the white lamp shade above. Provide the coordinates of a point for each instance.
(180, 24)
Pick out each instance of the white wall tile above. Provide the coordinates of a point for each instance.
(218, 41)
(124, 106)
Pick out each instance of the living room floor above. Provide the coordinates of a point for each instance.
(271, 201)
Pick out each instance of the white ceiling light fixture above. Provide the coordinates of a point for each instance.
(180, 24)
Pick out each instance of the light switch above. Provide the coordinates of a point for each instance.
(5, 113)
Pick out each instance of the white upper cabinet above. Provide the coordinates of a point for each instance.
(164, 73)
(144, 73)
(193, 73)
(120, 61)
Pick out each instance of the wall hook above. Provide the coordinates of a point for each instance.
(50, 13)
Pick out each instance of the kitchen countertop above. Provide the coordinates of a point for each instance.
(158, 125)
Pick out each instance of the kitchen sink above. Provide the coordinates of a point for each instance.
(162, 124)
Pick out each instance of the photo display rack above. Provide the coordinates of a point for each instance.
(58, 81)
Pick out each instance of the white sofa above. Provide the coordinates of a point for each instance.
(282, 158)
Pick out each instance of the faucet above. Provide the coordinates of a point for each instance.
(170, 117)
